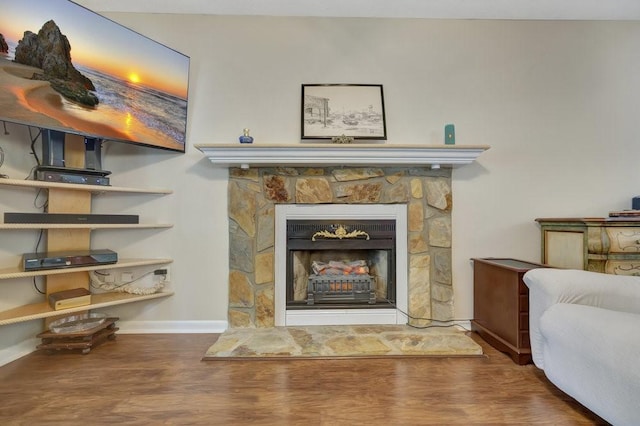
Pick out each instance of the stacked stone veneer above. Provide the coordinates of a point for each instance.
(253, 194)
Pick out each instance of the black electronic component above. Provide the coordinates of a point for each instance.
(65, 175)
(70, 218)
(70, 259)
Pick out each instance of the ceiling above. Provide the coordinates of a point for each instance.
(438, 9)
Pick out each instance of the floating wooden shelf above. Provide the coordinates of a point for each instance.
(96, 189)
(99, 300)
(73, 198)
(16, 272)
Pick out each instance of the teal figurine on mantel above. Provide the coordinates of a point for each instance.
(449, 134)
(245, 138)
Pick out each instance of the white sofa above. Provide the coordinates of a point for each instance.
(585, 335)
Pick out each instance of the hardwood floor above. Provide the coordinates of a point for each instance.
(160, 379)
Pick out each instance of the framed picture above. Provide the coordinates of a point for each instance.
(334, 110)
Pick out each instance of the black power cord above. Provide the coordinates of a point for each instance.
(35, 285)
(34, 139)
(440, 322)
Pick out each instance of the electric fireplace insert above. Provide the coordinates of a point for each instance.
(340, 264)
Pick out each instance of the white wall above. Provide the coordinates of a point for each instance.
(557, 102)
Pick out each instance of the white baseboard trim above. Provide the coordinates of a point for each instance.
(28, 346)
(19, 350)
(171, 327)
(25, 347)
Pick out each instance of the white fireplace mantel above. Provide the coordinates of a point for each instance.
(258, 155)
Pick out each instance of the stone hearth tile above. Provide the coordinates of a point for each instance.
(376, 329)
(435, 344)
(341, 341)
(305, 340)
(357, 344)
(270, 344)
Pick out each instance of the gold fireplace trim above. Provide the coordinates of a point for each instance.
(340, 233)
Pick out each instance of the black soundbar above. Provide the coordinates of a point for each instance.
(71, 218)
(67, 259)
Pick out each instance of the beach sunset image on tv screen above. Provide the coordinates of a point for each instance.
(64, 67)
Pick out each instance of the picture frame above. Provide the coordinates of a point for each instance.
(331, 111)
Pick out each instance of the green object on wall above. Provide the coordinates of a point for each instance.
(449, 134)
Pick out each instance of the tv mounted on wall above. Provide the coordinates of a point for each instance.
(68, 70)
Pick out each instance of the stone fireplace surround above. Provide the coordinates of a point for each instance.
(336, 316)
(263, 175)
(253, 194)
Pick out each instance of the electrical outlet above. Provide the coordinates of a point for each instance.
(126, 277)
(164, 273)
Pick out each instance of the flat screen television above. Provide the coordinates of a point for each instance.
(94, 77)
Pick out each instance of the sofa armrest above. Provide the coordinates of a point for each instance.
(549, 286)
